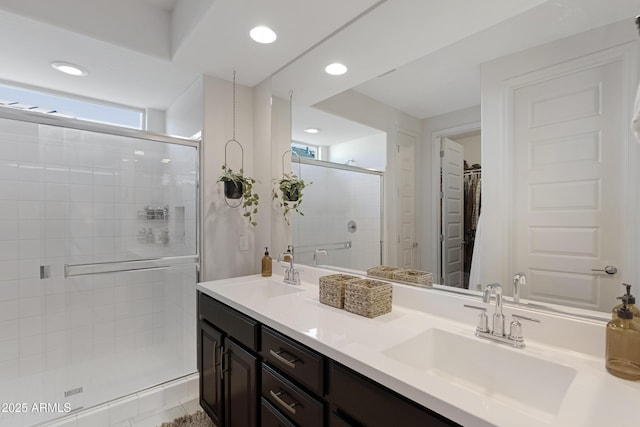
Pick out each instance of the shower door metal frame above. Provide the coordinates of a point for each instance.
(69, 123)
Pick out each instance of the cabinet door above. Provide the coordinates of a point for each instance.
(240, 370)
(367, 403)
(209, 355)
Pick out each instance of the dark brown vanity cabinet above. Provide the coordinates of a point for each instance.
(253, 375)
(228, 364)
(293, 379)
(357, 401)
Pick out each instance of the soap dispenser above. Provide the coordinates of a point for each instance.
(623, 345)
(630, 301)
(266, 263)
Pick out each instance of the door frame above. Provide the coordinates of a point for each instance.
(436, 167)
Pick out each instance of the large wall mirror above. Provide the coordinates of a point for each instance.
(500, 134)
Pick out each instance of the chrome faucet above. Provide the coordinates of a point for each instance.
(519, 280)
(318, 252)
(515, 337)
(495, 290)
(291, 275)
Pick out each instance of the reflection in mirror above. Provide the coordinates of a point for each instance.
(342, 221)
(551, 91)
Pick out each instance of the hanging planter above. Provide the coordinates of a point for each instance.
(233, 189)
(288, 192)
(238, 188)
(292, 193)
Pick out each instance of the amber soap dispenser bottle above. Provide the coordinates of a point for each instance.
(266, 263)
(623, 345)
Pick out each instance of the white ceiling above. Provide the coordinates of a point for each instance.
(145, 53)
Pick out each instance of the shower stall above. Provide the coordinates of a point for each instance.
(343, 215)
(98, 263)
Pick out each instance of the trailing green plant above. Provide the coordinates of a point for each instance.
(288, 193)
(249, 198)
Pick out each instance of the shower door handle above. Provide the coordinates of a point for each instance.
(129, 265)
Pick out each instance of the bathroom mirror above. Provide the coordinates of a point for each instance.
(533, 84)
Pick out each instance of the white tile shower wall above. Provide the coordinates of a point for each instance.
(69, 196)
(335, 198)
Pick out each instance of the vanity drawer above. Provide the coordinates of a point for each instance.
(235, 324)
(299, 406)
(271, 417)
(300, 363)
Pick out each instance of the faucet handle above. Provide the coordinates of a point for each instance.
(483, 321)
(515, 329)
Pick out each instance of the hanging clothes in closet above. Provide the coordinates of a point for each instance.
(472, 203)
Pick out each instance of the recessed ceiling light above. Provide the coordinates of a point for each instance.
(312, 130)
(139, 153)
(263, 34)
(336, 69)
(165, 160)
(68, 68)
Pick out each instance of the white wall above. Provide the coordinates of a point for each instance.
(225, 229)
(369, 152)
(471, 145)
(185, 116)
(263, 169)
(155, 121)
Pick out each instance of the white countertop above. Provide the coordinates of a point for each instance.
(593, 398)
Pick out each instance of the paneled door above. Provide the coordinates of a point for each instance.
(452, 157)
(569, 155)
(405, 160)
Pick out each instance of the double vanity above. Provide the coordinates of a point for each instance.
(271, 354)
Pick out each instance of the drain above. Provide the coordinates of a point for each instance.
(73, 391)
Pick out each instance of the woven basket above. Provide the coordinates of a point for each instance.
(417, 277)
(369, 298)
(332, 289)
(382, 271)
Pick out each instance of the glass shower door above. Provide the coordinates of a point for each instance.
(98, 264)
(342, 216)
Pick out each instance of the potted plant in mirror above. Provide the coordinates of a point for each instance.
(237, 186)
(288, 193)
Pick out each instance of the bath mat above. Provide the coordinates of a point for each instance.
(199, 419)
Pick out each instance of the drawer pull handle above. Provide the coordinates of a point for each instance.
(288, 406)
(290, 363)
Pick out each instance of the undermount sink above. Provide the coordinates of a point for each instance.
(525, 383)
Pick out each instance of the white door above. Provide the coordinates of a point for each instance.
(405, 161)
(568, 148)
(452, 155)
